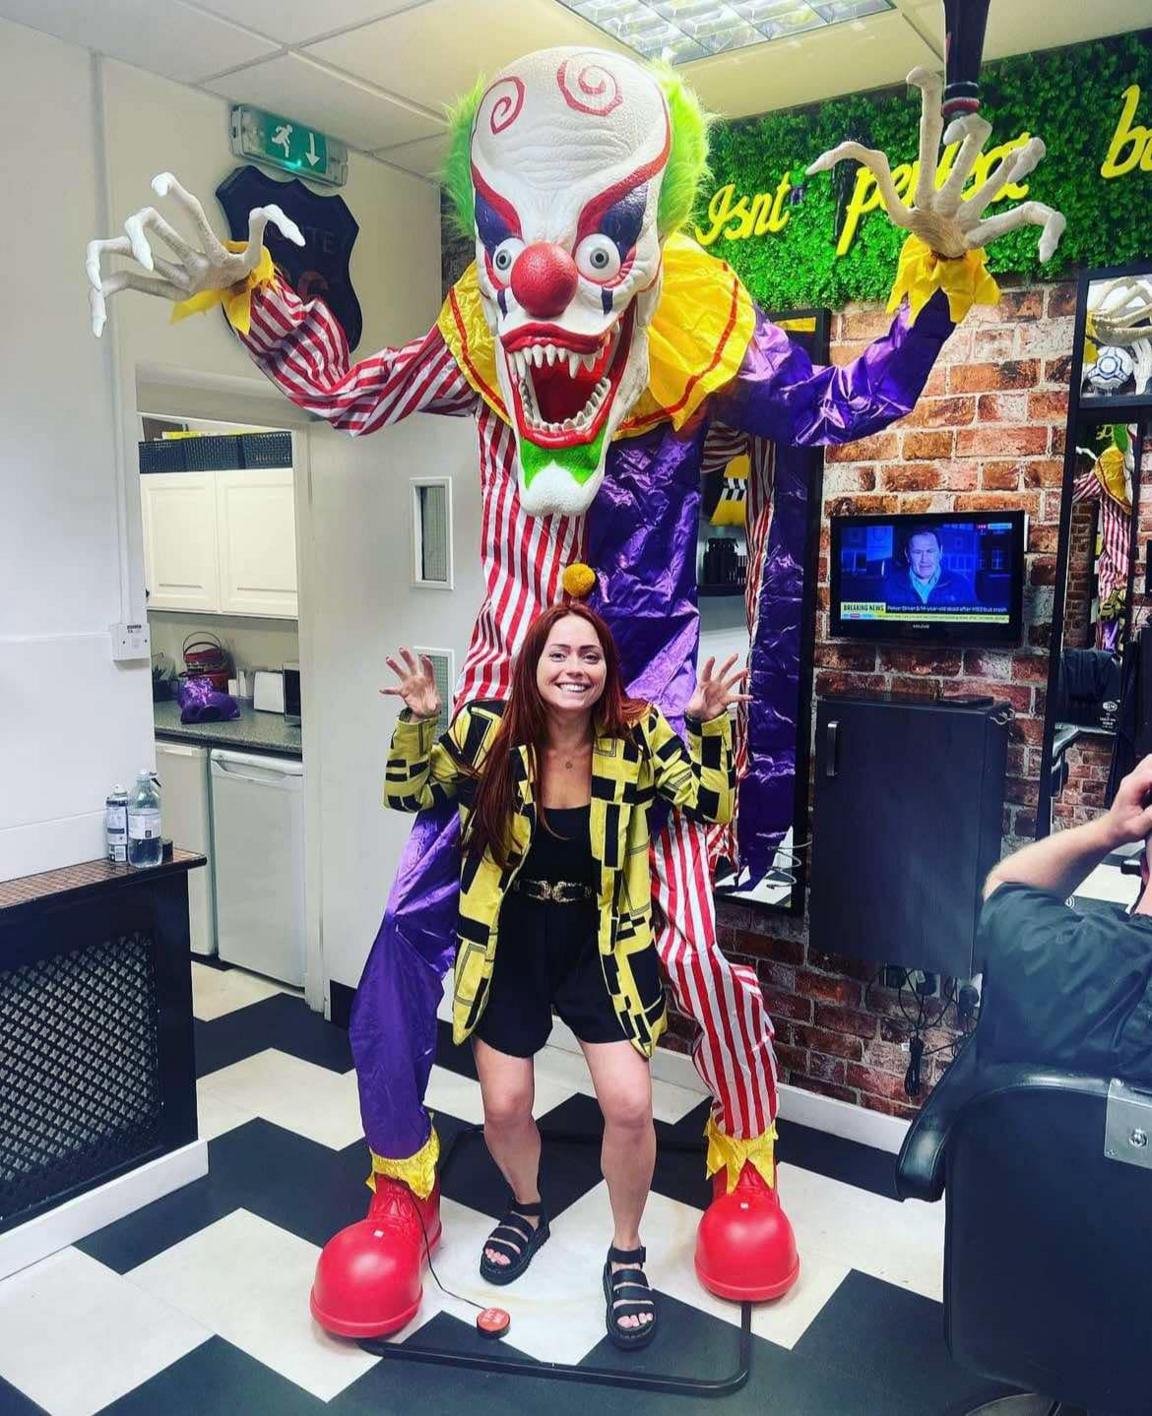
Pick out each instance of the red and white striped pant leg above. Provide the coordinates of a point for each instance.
(733, 1053)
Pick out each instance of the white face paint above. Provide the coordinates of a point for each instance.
(568, 152)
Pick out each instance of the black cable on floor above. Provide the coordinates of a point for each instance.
(563, 1371)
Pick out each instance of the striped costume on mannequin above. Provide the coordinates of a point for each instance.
(640, 536)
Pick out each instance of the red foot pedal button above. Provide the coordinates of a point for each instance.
(493, 1322)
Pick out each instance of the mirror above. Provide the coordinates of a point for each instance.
(760, 517)
(1101, 644)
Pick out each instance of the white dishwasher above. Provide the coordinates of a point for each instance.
(258, 832)
(183, 773)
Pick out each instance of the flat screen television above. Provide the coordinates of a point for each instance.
(936, 578)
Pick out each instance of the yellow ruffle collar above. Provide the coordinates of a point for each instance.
(696, 341)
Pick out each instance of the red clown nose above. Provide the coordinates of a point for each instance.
(544, 279)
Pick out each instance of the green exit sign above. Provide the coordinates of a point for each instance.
(277, 141)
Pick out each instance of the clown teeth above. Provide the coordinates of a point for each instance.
(589, 361)
(573, 364)
(550, 352)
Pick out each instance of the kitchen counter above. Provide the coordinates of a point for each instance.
(250, 732)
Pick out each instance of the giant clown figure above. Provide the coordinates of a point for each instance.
(602, 354)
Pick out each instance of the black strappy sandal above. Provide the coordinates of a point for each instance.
(619, 1305)
(519, 1238)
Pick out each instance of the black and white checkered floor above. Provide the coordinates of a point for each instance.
(198, 1303)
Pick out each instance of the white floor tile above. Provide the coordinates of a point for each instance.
(669, 1234)
(300, 1096)
(902, 1243)
(216, 992)
(248, 1281)
(214, 1115)
(74, 1336)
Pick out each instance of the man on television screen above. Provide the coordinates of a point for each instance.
(919, 578)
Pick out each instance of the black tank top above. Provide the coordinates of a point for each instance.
(562, 850)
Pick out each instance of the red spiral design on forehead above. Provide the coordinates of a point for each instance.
(594, 89)
(507, 104)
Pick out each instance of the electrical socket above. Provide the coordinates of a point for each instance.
(924, 985)
(130, 642)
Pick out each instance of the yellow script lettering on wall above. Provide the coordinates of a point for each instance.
(1131, 144)
(866, 193)
(736, 218)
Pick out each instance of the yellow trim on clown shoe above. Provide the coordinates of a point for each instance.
(731, 1154)
(921, 272)
(696, 340)
(417, 1171)
(236, 299)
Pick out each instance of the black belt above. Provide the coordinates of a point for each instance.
(555, 892)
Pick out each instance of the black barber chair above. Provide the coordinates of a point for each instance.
(1048, 1238)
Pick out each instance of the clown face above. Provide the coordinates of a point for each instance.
(569, 147)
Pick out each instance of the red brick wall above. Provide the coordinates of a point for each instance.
(1084, 795)
(987, 434)
(1079, 631)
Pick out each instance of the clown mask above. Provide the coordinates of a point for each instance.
(568, 151)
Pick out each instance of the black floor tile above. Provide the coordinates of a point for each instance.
(893, 1338)
(216, 1379)
(863, 1166)
(284, 1178)
(283, 1022)
(14, 1403)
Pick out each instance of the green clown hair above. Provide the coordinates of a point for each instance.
(687, 156)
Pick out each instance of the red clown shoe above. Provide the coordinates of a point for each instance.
(369, 1277)
(745, 1248)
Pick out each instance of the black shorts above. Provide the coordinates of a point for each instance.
(547, 957)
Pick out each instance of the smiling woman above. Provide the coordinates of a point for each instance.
(554, 793)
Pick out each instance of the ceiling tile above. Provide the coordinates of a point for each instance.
(313, 94)
(163, 36)
(425, 158)
(1014, 29)
(845, 58)
(297, 21)
(435, 53)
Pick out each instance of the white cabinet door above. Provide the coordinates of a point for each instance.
(181, 560)
(256, 516)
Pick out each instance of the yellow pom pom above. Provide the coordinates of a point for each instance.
(578, 580)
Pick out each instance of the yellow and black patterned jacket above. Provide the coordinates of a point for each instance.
(627, 775)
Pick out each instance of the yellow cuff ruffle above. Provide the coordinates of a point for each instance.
(921, 272)
(730, 1154)
(417, 1171)
(236, 299)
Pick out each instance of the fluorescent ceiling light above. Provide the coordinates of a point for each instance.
(679, 31)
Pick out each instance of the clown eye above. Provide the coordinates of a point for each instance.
(504, 256)
(597, 258)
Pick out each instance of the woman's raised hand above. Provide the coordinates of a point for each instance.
(714, 687)
(417, 686)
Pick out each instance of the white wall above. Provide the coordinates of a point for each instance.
(71, 721)
(360, 555)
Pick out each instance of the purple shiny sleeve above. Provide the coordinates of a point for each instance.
(779, 393)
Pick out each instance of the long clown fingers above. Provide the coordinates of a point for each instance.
(258, 219)
(974, 131)
(150, 220)
(1029, 214)
(165, 185)
(94, 252)
(1015, 165)
(876, 163)
(931, 126)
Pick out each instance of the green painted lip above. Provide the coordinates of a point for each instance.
(581, 461)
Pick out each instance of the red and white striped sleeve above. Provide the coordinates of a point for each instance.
(302, 349)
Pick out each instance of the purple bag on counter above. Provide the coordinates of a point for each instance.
(201, 702)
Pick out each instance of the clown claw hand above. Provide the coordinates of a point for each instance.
(949, 215)
(192, 266)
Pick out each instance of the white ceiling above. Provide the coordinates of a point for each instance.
(377, 73)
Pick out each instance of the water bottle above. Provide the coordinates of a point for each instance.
(116, 825)
(145, 847)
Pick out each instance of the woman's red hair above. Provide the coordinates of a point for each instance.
(525, 724)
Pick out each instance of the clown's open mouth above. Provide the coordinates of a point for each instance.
(563, 383)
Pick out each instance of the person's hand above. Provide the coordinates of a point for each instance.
(417, 685)
(714, 694)
(1130, 816)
